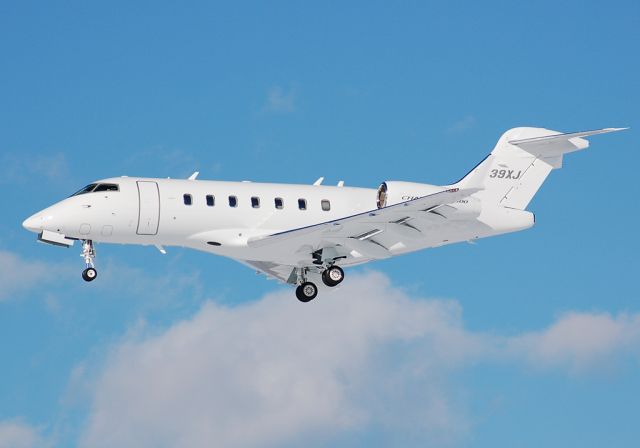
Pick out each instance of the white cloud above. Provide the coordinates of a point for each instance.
(20, 168)
(17, 434)
(55, 282)
(273, 371)
(276, 372)
(578, 341)
(18, 275)
(173, 160)
(279, 100)
(462, 125)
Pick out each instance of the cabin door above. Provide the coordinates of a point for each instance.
(149, 213)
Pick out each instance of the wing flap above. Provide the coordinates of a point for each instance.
(366, 248)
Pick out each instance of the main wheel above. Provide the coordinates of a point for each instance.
(89, 274)
(306, 292)
(333, 276)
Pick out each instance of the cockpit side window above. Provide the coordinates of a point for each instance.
(88, 189)
(106, 187)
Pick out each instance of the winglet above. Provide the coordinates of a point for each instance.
(194, 175)
(563, 136)
(319, 181)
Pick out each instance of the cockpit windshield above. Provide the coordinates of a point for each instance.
(106, 187)
(94, 188)
(88, 189)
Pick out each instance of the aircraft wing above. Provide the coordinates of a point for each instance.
(374, 234)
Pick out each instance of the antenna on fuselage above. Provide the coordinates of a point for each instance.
(194, 175)
(319, 181)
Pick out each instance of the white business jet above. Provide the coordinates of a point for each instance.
(303, 234)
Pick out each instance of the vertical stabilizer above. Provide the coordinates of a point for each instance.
(521, 161)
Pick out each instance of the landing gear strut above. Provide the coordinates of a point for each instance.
(89, 254)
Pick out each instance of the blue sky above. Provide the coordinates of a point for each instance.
(523, 340)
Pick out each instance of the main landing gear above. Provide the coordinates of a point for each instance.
(332, 276)
(89, 254)
(307, 291)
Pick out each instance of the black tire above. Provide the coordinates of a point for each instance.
(306, 292)
(326, 280)
(333, 276)
(89, 274)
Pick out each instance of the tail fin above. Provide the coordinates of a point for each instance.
(521, 161)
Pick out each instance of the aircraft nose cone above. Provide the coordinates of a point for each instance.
(33, 223)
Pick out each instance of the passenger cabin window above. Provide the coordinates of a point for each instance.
(255, 202)
(188, 200)
(302, 204)
(106, 187)
(279, 203)
(233, 201)
(211, 200)
(326, 205)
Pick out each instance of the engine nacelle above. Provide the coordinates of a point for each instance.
(394, 192)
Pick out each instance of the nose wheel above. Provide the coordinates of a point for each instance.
(89, 274)
(89, 255)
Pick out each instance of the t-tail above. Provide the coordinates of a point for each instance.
(520, 162)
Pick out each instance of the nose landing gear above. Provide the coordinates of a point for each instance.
(89, 254)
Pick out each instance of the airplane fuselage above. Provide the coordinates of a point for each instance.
(221, 217)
